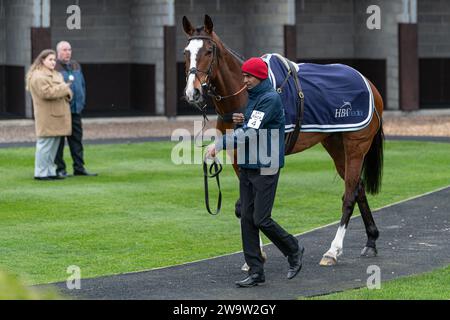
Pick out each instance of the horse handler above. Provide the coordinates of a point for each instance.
(262, 124)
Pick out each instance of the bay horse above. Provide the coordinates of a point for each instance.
(214, 69)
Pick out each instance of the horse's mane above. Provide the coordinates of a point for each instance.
(238, 56)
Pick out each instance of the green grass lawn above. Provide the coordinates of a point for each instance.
(144, 212)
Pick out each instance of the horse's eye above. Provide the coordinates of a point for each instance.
(208, 52)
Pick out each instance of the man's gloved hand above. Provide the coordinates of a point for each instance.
(238, 118)
(211, 151)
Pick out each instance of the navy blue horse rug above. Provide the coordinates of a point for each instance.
(337, 97)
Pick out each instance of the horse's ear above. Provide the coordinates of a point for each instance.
(209, 25)
(187, 26)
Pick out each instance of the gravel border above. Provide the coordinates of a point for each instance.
(162, 139)
(433, 124)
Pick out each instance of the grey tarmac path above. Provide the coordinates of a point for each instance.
(414, 238)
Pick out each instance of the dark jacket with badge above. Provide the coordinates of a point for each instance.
(261, 138)
(78, 86)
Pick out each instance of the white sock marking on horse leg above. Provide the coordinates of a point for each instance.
(261, 245)
(337, 245)
(193, 47)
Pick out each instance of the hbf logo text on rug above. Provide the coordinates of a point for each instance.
(346, 111)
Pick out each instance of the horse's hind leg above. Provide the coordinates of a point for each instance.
(348, 155)
(335, 148)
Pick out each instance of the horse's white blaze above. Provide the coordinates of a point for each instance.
(193, 48)
(337, 244)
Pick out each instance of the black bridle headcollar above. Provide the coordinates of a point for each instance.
(206, 86)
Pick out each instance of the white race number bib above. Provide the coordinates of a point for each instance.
(255, 119)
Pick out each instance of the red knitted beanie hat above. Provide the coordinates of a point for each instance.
(256, 67)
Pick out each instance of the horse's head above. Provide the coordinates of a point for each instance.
(200, 57)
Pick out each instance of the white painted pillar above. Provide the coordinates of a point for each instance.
(46, 7)
(2, 32)
(291, 18)
(37, 13)
(41, 19)
(160, 87)
(171, 12)
(41, 13)
(409, 14)
(413, 11)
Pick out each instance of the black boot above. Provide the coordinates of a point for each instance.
(295, 263)
(251, 281)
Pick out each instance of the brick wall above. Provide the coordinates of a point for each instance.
(337, 29)
(434, 28)
(105, 30)
(434, 53)
(228, 21)
(380, 43)
(19, 19)
(264, 31)
(115, 33)
(2, 55)
(131, 32)
(2, 32)
(147, 39)
(251, 27)
(324, 29)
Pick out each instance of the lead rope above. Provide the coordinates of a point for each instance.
(214, 170)
(217, 167)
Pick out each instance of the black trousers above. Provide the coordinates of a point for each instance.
(75, 145)
(257, 197)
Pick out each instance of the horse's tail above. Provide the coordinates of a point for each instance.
(373, 164)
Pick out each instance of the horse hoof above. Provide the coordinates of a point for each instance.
(328, 261)
(245, 267)
(264, 256)
(369, 252)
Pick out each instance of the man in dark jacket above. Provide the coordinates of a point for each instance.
(72, 73)
(259, 141)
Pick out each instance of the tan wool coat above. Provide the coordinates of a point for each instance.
(51, 97)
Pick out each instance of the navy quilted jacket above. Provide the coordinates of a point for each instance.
(260, 141)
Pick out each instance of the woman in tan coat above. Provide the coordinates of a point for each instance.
(51, 97)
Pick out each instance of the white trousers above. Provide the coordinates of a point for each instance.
(46, 149)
